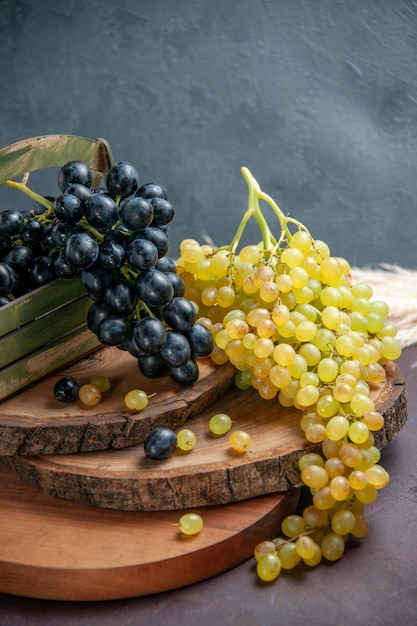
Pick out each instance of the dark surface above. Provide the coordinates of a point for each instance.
(375, 583)
(318, 98)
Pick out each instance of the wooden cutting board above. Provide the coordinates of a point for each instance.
(56, 550)
(211, 473)
(33, 422)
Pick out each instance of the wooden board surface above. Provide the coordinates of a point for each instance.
(51, 549)
(33, 422)
(211, 473)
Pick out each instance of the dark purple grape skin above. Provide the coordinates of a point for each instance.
(101, 211)
(41, 272)
(201, 340)
(122, 180)
(81, 250)
(80, 191)
(135, 214)
(68, 208)
(186, 374)
(8, 279)
(166, 264)
(180, 314)
(149, 335)
(74, 172)
(154, 288)
(152, 366)
(19, 258)
(120, 297)
(112, 255)
(66, 389)
(177, 283)
(158, 238)
(160, 444)
(11, 222)
(97, 312)
(62, 267)
(163, 211)
(32, 232)
(142, 254)
(152, 190)
(96, 280)
(113, 330)
(176, 350)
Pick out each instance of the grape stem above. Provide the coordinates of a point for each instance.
(22, 186)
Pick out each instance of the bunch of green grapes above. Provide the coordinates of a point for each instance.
(285, 314)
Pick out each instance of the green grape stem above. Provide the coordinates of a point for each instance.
(271, 245)
(22, 186)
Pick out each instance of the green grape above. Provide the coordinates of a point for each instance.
(305, 547)
(316, 558)
(136, 399)
(190, 523)
(186, 439)
(339, 488)
(342, 522)
(337, 427)
(377, 476)
(102, 382)
(220, 424)
(264, 547)
(311, 458)
(293, 525)
(314, 476)
(288, 555)
(240, 441)
(268, 567)
(332, 547)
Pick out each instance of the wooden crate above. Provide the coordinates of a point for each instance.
(46, 329)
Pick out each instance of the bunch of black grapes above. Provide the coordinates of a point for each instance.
(116, 238)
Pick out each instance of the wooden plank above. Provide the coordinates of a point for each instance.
(54, 550)
(211, 473)
(46, 360)
(39, 302)
(43, 332)
(33, 422)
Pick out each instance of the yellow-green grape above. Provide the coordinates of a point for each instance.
(357, 479)
(220, 424)
(293, 525)
(332, 547)
(240, 441)
(102, 382)
(311, 458)
(323, 499)
(305, 547)
(337, 427)
(339, 488)
(268, 567)
(191, 251)
(327, 370)
(264, 547)
(190, 523)
(373, 419)
(351, 455)
(358, 432)
(315, 477)
(315, 517)
(367, 495)
(186, 439)
(288, 555)
(335, 467)
(250, 254)
(342, 522)
(316, 558)
(136, 399)
(361, 526)
(90, 395)
(377, 476)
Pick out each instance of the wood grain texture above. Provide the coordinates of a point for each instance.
(211, 473)
(55, 550)
(33, 422)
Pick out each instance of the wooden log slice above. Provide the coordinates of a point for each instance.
(56, 550)
(211, 473)
(33, 422)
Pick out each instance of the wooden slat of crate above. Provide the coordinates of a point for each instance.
(47, 359)
(39, 302)
(44, 330)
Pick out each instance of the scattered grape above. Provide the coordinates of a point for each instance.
(190, 523)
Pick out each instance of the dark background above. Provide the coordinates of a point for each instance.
(318, 98)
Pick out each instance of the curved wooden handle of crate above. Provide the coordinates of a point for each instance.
(46, 151)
